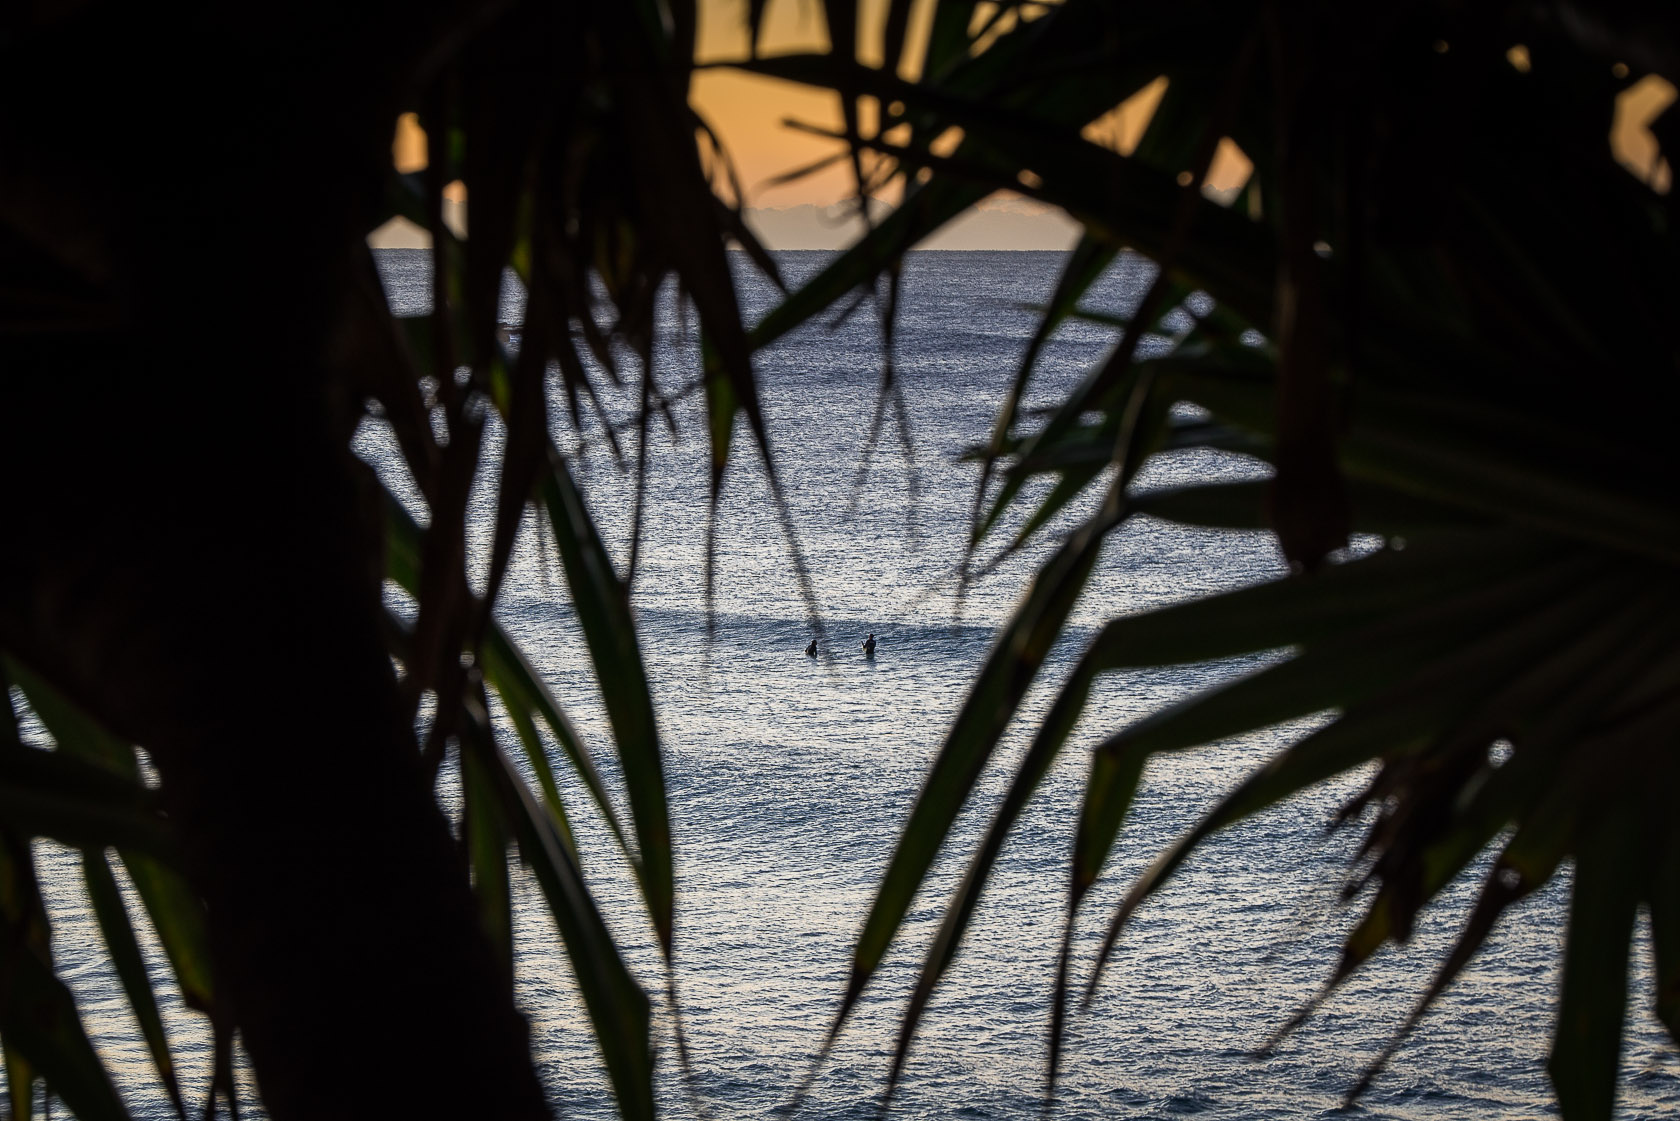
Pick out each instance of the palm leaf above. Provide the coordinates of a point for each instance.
(617, 1006)
(527, 697)
(112, 915)
(603, 609)
(38, 1017)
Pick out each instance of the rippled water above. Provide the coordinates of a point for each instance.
(789, 778)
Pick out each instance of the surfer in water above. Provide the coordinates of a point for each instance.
(811, 650)
(869, 646)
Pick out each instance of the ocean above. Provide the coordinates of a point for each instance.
(789, 778)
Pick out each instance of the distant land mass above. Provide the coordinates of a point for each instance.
(1000, 222)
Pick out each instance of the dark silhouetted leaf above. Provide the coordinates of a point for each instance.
(603, 610)
(50, 794)
(617, 1006)
(38, 1017)
(1586, 1048)
(112, 914)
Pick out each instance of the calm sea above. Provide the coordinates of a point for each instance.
(789, 779)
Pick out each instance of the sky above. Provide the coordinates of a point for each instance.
(750, 114)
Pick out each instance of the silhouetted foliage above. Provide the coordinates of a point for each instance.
(1441, 312)
(1439, 308)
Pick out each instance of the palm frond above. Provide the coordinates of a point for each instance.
(1401, 338)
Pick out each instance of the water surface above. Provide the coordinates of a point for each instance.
(789, 778)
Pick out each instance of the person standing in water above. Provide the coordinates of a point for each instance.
(811, 650)
(869, 646)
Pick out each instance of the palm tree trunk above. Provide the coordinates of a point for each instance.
(188, 554)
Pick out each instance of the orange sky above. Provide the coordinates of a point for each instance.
(749, 112)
